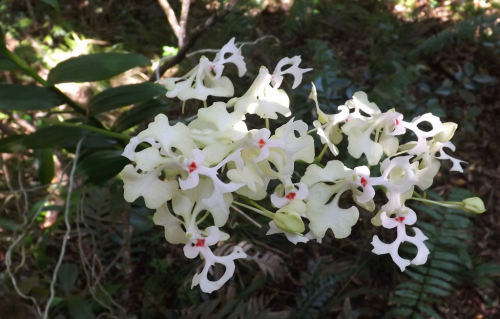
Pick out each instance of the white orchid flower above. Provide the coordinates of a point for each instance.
(443, 156)
(199, 245)
(293, 69)
(405, 217)
(148, 185)
(293, 238)
(322, 211)
(195, 166)
(327, 126)
(174, 233)
(263, 99)
(217, 131)
(298, 192)
(422, 144)
(229, 53)
(177, 136)
(199, 83)
(206, 78)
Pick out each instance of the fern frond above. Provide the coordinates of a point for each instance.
(429, 284)
(466, 30)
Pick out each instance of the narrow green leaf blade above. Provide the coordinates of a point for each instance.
(102, 165)
(139, 113)
(27, 97)
(79, 308)
(124, 95)
(95, 67)
(45, 165)
(68, 273)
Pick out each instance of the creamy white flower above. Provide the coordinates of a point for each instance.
(154, 191)
(199, 245)
(263, 99)
(206, 78)
(403, 218)
(177, 136)
(323, 210)
(297, 192)
(293, 238)
(293, 69)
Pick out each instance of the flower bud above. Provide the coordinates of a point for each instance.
(447, 133)
(289, 221)
(473, 205)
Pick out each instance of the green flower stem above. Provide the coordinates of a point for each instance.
(23, 65)
(183, 107)
(204, 103)
(267, 123)
(320, 156)
(443, 204)
(199, 221)
(377, 135)
(119, 136)
(29, 71)
(312, 130)
(262, 211)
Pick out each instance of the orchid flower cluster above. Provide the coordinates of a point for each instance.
(215, 165)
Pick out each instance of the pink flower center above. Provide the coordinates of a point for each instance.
(397, 122)
(200, 242)
(363, 181)
(291, 195)
(261, 143)
(192, 167)
(400, 219)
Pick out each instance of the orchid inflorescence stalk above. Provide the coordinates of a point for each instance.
(215, 162)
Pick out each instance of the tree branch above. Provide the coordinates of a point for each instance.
(172, 20)
(191, 39)
(183, 22)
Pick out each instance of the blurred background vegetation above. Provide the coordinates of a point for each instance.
(415, 55)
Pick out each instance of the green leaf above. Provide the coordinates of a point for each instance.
(102, 165)
(6, 64)
(66, 137)
(45, 165)
(12, 144)
(484, 79)
(79, 308)
(139, 113)
(68, 273)
(429, 311)
(53, 3)
(95, 67)
(27, 97)
(469, 68)
(50, 136)
(124, 95)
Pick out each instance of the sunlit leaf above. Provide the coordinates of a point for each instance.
(95, 67)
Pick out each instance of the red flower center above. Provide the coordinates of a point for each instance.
(192, 167)
(400, 219)
(200, 242)
(261, 143)
(363, 181)
(397, 122)
(291, 195)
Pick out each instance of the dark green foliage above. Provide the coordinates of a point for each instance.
(28, 97)
(95, 67)
(124, 95)
(427, 286)
(463, 31)
(139, 113)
